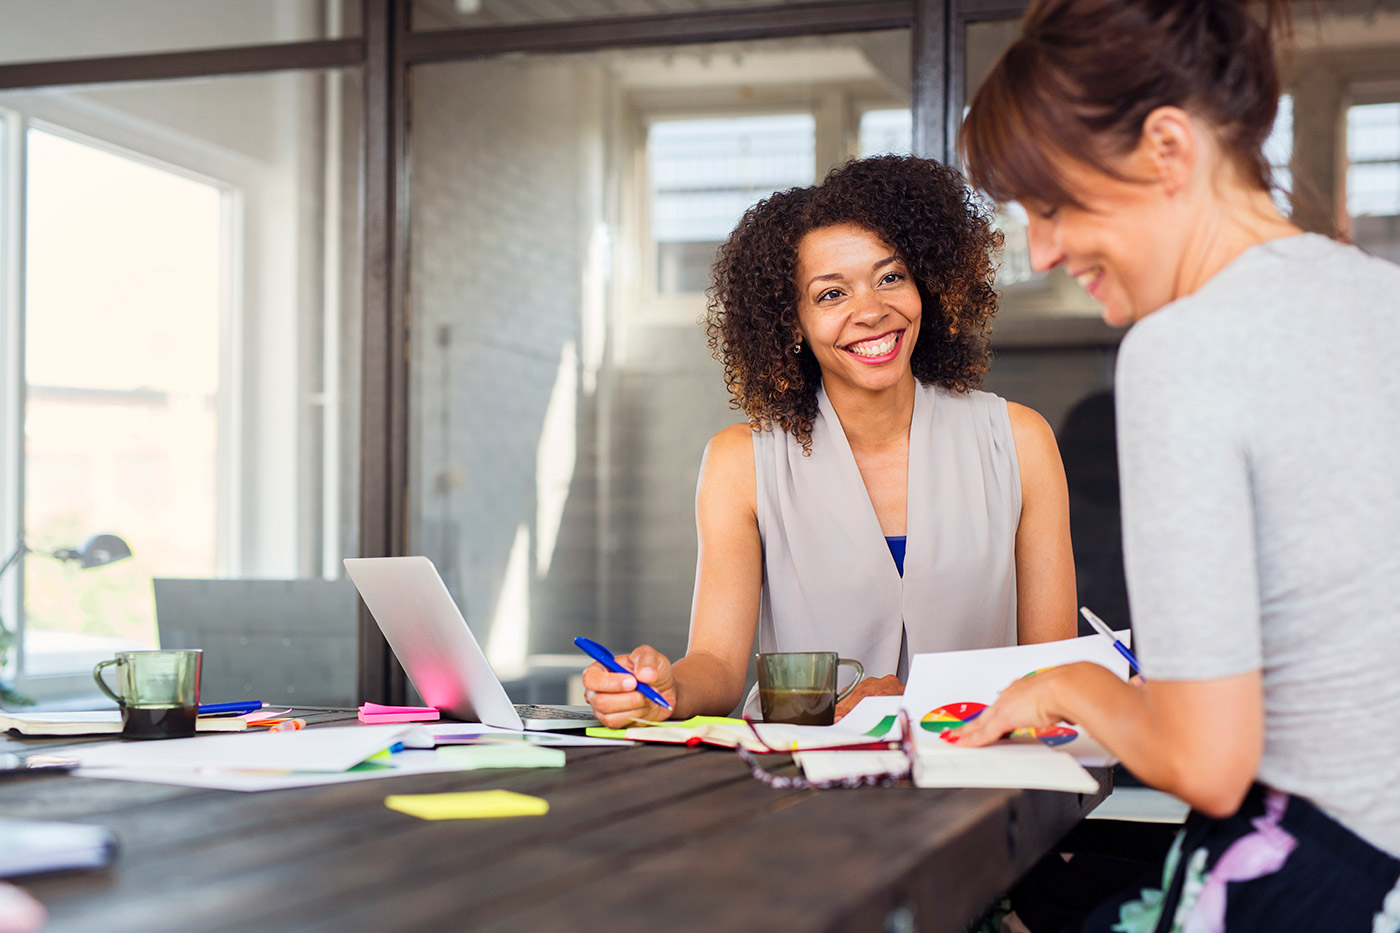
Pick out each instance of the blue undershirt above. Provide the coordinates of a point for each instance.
(896, 543)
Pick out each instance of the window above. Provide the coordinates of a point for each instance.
(123, 400)
(886, 131)
(1278, 149)
(703, 175)
(1373, 154)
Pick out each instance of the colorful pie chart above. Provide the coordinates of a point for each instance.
(951, 716)
(1051, 735)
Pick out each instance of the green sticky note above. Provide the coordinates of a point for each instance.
(467, 805)
(602, 732)
(471, 757)
(694, 722)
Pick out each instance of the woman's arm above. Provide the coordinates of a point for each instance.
(1201, 740)
(1045, 594)
(709, 680)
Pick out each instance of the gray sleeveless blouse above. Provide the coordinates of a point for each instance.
(829, 582)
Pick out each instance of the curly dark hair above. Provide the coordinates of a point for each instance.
(920, 207)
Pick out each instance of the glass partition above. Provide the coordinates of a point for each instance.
(565, 211)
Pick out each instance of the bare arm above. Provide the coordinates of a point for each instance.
(1201, 740)
(1045, 594)
(709, 680)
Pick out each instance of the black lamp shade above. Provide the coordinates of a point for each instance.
(98, 550)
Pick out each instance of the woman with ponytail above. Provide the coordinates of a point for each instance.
(1258, 447)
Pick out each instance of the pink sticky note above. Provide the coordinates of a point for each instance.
(377, 713)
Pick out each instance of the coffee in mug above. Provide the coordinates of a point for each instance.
(799, 687)
(158, 691)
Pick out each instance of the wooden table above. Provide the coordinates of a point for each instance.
(646, 838)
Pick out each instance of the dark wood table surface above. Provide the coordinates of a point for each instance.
(662, 838)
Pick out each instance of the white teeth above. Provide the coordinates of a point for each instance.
(1087, 278)
(874, 349)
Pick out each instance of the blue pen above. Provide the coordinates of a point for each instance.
(1102, 628)
(605, 657)
(238, 708)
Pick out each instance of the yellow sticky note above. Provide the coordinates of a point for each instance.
(467, 805)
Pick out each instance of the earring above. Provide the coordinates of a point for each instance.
(797, 347)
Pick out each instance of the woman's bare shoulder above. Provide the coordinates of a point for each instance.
(1028, 422)
(730, 451)
(1036, 448)
(727, 470)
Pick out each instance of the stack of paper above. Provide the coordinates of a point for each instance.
(306, 758)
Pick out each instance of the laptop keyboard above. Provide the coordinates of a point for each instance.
(531, 711)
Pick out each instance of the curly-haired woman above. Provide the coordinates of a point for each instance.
(851, 319)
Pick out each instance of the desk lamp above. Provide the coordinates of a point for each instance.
(96, 551)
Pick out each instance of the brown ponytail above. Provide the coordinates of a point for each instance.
(1086, 73)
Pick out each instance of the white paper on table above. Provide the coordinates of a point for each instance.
(404, 763)
(424, 735)
(786, 736)
(1020, 766)
(319, 748)
(87, 716)
(1029, 766)
(978, 676)
(837, 766)
(868, 717)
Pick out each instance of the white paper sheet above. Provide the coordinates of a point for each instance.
(782, 735)
(868, 717)
(319, 748)
(1031, 766)
(425, 735)
(404, 763)
(836, 766)
(952, 677)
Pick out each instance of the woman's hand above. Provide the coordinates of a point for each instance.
(889, 685)
(1028, 703)
(614, 697)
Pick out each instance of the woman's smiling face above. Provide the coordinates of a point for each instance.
(858, 310)
(1125, 244)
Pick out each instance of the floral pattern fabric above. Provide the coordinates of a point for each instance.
(1278, 864)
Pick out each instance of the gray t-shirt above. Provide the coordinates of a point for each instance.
(1259, 446)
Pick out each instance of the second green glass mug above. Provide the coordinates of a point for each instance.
(799, 687)
(158, 692)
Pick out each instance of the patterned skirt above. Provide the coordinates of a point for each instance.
(1278, 864)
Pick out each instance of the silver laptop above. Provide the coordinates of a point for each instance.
(431, 639)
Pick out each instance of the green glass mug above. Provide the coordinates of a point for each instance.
(158, 692)
(799, 687)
